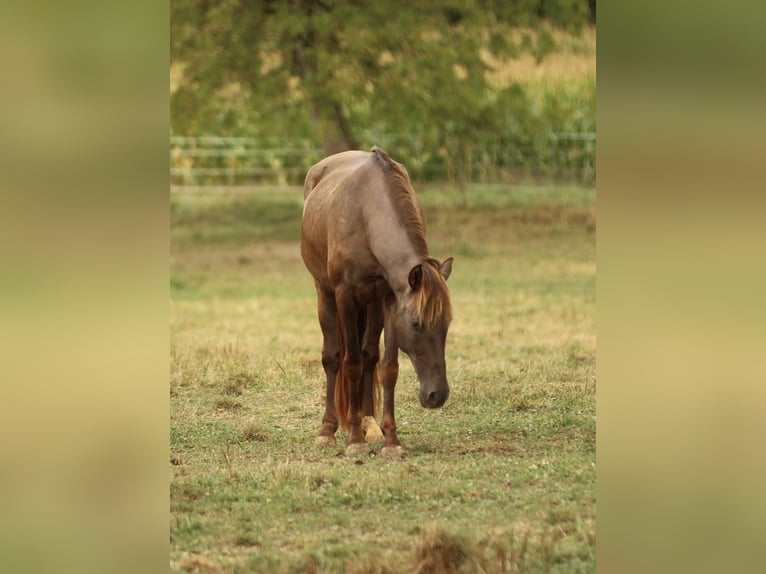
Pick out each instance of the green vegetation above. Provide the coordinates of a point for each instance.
(467, 91)
(502, 479)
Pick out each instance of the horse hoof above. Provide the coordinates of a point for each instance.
(323, 440)
(356, 448)
(371, 430)
(393, 451)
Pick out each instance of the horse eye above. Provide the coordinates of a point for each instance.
(417, 326)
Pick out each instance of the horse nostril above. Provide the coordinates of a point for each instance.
(435, 399)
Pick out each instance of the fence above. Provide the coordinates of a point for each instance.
(201, 161)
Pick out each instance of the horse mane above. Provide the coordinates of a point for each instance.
(404, 200)
(431, 300)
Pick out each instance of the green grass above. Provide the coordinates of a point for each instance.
(501, 479)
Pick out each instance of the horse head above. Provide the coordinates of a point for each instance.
(421, 322)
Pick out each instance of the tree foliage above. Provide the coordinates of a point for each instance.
(333, 70)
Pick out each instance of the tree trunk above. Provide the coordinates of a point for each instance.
(330, 123)
(331, 126)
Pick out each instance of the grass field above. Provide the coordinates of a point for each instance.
(501, 479)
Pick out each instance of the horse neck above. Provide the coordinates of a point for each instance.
(390, 243)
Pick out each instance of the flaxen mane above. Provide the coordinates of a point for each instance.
(431, 301)
(403, 196)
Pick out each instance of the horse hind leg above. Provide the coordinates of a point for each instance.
(372, 431)
(352, 369)
(373, 325)
(329, 420)
(330, 363)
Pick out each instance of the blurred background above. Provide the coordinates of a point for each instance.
(85, 235)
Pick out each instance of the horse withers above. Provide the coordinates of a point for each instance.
(363, 240)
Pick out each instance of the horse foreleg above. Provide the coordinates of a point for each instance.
(389, 372)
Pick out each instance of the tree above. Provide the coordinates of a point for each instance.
(334, 67)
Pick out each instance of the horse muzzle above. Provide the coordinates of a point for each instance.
(433, 398)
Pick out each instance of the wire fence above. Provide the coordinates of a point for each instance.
(231, 161)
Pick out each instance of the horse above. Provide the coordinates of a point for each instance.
(363, 241)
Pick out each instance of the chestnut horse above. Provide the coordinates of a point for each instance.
(363, 240)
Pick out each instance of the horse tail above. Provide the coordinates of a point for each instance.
(376, 386)
(341, 390)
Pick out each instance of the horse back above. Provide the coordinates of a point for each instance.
(332, 165)
(332, 224)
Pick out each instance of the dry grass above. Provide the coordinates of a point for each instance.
(439, 552)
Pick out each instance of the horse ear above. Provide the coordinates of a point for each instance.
(446, 268)
(416, 276)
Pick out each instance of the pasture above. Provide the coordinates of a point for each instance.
(501, 479)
